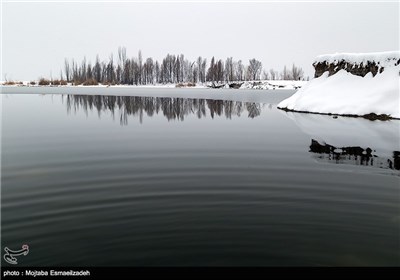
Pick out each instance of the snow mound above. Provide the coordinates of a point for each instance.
(346, 94)
(384, 59)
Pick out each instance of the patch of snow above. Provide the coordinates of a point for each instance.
(384, 59)
(273, 84)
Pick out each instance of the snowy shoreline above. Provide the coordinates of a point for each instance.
(262, 85)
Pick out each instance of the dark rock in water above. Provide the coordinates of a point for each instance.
(354, 155)
(373, 117)
(235, 85)
(213, 85)
(396, 160)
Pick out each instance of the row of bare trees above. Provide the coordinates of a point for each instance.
(171, 69)
(293, 73)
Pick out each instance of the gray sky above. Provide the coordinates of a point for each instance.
(38, 36)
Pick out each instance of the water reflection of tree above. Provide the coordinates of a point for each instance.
(354, 155)
(171, 108)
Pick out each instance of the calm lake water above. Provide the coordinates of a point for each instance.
(133, 180)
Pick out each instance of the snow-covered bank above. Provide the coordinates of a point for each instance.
(347, 94)
(276, 84)
(263, 84)
(355, 63)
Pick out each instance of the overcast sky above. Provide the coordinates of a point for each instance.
(38, 36)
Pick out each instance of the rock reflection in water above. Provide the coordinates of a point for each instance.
(354, 155)
(172, 108)
(353, 141)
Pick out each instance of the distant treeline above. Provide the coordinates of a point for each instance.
(172, 69)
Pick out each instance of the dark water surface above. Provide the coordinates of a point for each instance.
(132, 181)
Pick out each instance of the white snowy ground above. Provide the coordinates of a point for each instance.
(275, 84)
(384, 59)
(345, 93)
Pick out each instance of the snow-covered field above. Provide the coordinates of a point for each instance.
(384, 59)
(346, 94)
(276, 84)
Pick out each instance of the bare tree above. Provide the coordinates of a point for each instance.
(297, 73)
(121, 65)
(140, 69)
(240, 71)
(157, 72)
(203, 70)
(229, 69)
(254, 69)
(210, 71)
(148, 70)
(198, 66)
(121, 56)
(67, 70)
(273, 74)
(97, 70)
(220, 71)
(265, 75)
(286, 75)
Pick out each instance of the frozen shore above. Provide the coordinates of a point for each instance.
(263, 84)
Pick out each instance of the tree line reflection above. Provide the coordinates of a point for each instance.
(172, 108)
(354, 155)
